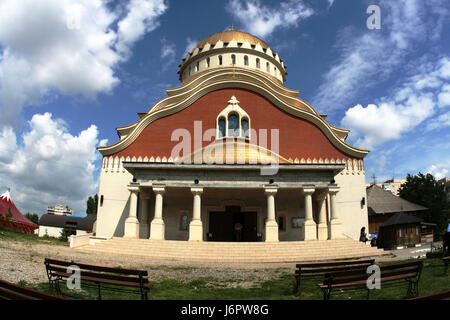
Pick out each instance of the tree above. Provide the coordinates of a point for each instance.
(92, 204)
(424, 190)
(32, 217)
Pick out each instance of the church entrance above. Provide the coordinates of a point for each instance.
(222, 225)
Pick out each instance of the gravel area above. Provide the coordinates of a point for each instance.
(24, 261)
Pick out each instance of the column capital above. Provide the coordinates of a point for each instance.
(333, 189)
(133, 189)
(309, 190)
(322, 195)
(270, 190)
(159, 189)
(196, 190)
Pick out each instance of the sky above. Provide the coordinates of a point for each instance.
(71, 72)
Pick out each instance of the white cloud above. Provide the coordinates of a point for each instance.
(367, 57)
(190, 44)
(50, 165)
(168, 52)
(65, 46)
(444, 96)
(262, 20)
(439, 171)
(441, 121)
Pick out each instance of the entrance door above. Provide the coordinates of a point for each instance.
(221, 224)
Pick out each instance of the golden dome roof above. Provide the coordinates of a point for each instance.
(227, 36)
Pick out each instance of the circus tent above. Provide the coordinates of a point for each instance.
(16, 220)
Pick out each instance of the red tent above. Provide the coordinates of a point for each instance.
(17, 221)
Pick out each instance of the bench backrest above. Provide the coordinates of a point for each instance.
(434, 296)
(108, 273)
(334, 264)
(413, 269)
(11, 291)
(322, 268)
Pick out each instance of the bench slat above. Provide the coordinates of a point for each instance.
(97, 268)
(332, 264)
(106, 281)
(364, 282)
(14, 292)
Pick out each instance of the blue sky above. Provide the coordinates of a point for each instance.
(73, 71)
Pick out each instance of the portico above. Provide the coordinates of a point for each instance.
(299, 205)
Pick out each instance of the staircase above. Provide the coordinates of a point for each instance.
(244, 252)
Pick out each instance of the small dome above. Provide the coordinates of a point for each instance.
(227, 36)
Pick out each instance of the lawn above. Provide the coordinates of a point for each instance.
(10, 234)
(281, 288)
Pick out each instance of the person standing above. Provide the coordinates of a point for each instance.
(363, 235)
(238, 231)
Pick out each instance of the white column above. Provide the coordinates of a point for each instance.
(196, 225)
(271, 223)
(132, 223)
(322, 226)
(157, 228)
(310, 225)
(335, 223)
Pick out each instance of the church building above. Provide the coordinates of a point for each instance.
(232, 146)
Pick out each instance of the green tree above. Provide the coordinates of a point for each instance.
(32, 217)
(424, 190)
(91, 205)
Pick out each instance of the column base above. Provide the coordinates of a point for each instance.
(271, 231)
(196, 230)
(131, 228)
(322, 231)
(310, 230)
(157, 229)
(336, 229)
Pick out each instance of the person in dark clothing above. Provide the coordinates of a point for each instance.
(446, 244)
(373, 242)
(363, 235)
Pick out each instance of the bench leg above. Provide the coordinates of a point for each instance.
(99, 292)
(297, 288)
(413, 289)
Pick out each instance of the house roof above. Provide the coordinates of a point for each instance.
(380, 201)
(401, 218)
(51, 220)
(7, 203)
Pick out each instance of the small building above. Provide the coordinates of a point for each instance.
(60, 210)
(383, 205)
(401, 229)
(53, 225)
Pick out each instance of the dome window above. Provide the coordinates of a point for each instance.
(245, 61)
(220, 60)
(208, 62)
(233, 59)
(268, 67)
(258, 64)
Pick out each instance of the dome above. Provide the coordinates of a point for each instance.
(232, 49)
(229, 35)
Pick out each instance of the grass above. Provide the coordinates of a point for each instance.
(10, 234)
(281, 288)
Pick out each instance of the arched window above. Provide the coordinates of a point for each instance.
(268, 67)
(258, 65)
(197, 66)
(220, 60)
(208, 63)
(244, 128)
(222, 127)
(233, 125)
(245, 61)
(233, 59)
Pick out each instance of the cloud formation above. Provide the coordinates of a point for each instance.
(65, 46)
(261, 20)
(368, 57)
(49, 165)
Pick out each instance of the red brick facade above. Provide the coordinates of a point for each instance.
(298, 138)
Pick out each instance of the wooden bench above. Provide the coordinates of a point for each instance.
(357, 279)
(319, 269)
(446, 261)
(11, 291)
(434, 296)
(116, 279)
